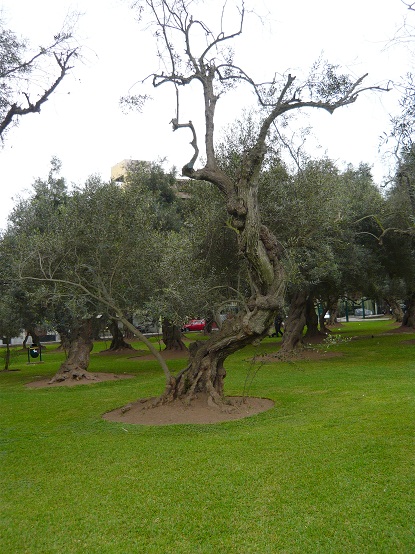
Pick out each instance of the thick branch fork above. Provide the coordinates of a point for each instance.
(63, 61)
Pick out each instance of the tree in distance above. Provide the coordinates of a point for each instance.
(28, 77)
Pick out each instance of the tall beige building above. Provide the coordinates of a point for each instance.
(120, 170)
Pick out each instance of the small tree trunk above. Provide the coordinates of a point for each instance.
(313, 333)
(65, 342)
(333, 309)
(295, 323)
(408, 319)
(8, 354)
(209, 324)
(118, 343)
(397, 312)
(77, 362)
(330, 306)
(172, 336)
(128, 334)
(7, 358)
(35, 337)
(322, 323)
(311, 319)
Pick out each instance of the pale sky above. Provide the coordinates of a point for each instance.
(83, 125)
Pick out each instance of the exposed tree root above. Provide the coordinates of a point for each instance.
(288, 355)
(77, 374)
(199, 412)
(118, 350)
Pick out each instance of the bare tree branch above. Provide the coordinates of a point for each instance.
(16, 110)
(16, 71)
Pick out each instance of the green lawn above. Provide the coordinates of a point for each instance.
(329, 470)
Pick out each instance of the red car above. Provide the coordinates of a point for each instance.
(196, 325)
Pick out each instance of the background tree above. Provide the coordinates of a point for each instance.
(198, 265)
(28, 77)
(99, 250)
(397, 239)
(33, 217)
(205, 273)
(303, 211)
(11, 323)
(40, 219)
(398, 226)
(323, 218)
(165, 206)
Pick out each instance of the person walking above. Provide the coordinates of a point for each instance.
(278, 325)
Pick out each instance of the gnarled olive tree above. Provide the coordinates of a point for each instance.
(191, 53)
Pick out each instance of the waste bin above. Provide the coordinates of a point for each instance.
(34, 352)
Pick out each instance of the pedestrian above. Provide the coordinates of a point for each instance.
(277, 324)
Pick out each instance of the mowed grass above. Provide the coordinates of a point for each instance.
(330, 469)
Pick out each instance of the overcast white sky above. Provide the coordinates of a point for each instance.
(83, 125)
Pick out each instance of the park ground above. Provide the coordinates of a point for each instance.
(328, 467)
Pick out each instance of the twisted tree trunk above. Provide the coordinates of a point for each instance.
(213, 69)
(80, 345)
(396, 309)
(172, 336)
(295, 323)
(313, 332)
(118, 344)
(333, 309)
(205, 372)
(7, 356)
(408, 319)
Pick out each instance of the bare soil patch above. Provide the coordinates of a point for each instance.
(142, 412)
(95, 378)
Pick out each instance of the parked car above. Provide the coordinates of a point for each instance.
(196, 325)
(359, 312)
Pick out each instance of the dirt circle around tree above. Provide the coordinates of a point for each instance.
(92, 379)
(143, 411)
